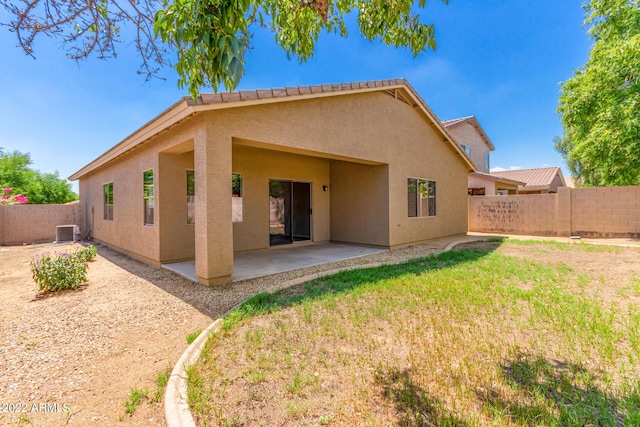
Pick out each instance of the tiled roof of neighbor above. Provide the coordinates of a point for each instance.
(536, 177)
(493, 177)
(187, 107)
(448, 124)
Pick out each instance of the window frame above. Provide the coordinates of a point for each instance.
(191, 204)
(148, 196)
(431, 200)
(240, 195)
(107, 214)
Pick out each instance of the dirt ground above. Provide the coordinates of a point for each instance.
(87, 349)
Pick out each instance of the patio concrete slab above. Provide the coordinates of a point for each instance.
(250, 265)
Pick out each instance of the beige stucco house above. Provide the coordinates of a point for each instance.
(366, 163)
(472, 139)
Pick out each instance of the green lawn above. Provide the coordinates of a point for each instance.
(465, 338)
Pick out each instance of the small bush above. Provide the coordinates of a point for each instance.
(88, 253)
(59, 271)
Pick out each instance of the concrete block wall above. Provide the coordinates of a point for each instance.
(526, 214)
(587, 212)
(28, 224)
(606, 211)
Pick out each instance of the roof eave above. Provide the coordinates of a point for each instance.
(187, 106)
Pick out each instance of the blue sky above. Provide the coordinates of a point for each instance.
(499, 61)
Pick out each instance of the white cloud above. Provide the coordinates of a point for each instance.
(501, 169)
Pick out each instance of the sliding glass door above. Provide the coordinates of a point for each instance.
(289, 212)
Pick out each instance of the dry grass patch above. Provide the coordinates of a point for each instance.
(465, 338)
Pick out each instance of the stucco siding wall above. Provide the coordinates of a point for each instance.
(127, 231)
(177, 237)
(466, 134)
(299, 140)
(488, 185)
(27, 224)
(372, 127)
(359, 203)
(257, 167)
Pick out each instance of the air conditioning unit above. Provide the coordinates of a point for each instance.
(67, 233)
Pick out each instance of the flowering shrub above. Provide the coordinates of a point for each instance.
(6, 198)
(88, 253)
(60, 270)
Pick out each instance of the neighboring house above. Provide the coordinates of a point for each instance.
(536, 180)
(365, 163)
(472, 139)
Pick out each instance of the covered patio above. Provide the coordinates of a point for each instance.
(249, 265)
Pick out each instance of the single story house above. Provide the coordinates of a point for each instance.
(473, 140)
(366, 163)
(536, 180)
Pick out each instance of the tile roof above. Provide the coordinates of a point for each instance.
(536, 177)
(493, 177)
(246, 95)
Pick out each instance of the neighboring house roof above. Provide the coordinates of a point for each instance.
(448, 124)
(535, 179)
(187, 106)
(493, 177)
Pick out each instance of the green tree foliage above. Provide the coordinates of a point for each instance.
(211, 37)
(40, 188)
(600, 104)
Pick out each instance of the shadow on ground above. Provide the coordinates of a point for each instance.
(557, 393)
(346, 281)
(217, 301)
(413, 405)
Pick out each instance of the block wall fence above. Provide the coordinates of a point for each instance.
(586, 212)
(28, 224)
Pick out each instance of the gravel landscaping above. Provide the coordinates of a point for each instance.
(74, 357)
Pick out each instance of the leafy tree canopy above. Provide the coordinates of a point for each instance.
(40, 188)
(600, 104)
(211, 37)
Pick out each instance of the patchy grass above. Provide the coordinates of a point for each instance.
(135, 398)
(568, 247)
(193, 336)
(161, 383)
(465, 338)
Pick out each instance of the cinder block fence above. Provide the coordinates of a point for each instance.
(28, 224)
(587, 212)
